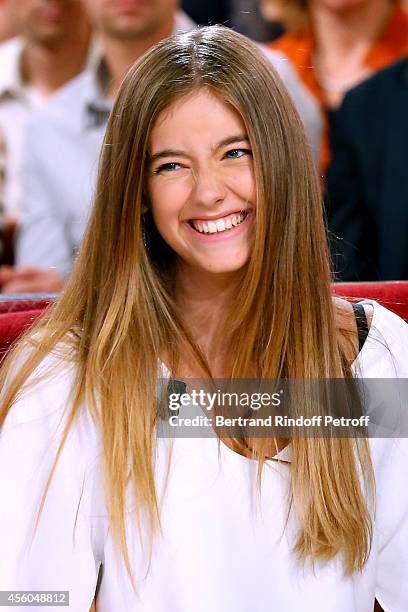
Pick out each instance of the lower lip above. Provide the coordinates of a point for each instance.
(53, 13)
(128, 6)
(219, 236)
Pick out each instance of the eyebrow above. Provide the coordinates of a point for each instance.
(177, 153)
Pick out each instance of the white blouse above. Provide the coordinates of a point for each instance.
(220, 548)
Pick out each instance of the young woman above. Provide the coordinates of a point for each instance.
(205, 255)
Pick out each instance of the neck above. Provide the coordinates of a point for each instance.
(204, 301)
(121, 53)
(342, 33)
(47, 68)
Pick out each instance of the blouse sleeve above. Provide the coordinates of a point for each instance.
(65, 551)
(391, 527)
(385, 359)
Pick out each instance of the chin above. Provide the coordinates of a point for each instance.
(223, 268)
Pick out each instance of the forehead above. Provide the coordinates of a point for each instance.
(198, 114)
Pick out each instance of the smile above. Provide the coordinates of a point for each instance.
(224, 224)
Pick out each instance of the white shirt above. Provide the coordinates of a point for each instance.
(17, 102)
(61, 158)
(220, 549)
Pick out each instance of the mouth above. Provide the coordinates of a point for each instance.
(52, 13)
(221, 225)
(129, 5)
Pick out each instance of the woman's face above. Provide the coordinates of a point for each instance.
(201, 183)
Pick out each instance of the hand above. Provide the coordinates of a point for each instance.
(29, 279)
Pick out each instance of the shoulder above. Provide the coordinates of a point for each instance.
(375, 91)
(36, 459)
(346, 324)
(40, 411)
(345, 312)
(11, 49)
(61, 125)
(304, 100)
(385, 352)
(361, 115)
(280, 61)
(183, 23)
(65, 111)
(10, 52)
(293, 46)
(38, 428)
(286, 69)
(44, 400)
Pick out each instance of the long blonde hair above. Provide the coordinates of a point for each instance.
(118, 311)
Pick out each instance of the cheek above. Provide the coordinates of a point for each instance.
(242, 182)
(167, 200)
(168, 197)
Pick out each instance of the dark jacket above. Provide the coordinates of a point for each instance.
(367, 183)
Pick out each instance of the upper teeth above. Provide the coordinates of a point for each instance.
(220, 225)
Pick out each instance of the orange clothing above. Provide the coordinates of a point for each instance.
(391, 46)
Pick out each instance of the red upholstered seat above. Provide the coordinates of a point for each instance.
(391, 294)
(23, 305)
(17, 314)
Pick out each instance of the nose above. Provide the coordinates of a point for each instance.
(209, 187)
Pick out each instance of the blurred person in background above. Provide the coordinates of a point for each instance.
(63, 144)
(247, 18)
(209, 12)
(57, 196)
(367, 188)
(51, 46)
(243, 16)
(336, 44)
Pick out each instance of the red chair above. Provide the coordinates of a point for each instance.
(18, 313)
(391, 294)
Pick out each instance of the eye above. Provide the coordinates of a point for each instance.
(168, 167)
(237, 153)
